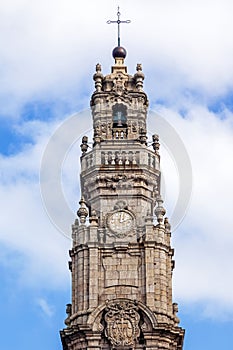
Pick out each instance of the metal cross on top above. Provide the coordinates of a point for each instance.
(118, 23)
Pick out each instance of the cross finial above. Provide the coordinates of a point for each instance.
(118, 23)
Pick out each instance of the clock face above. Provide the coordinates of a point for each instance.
(120, 221)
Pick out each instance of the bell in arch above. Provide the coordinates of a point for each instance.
(119, 115)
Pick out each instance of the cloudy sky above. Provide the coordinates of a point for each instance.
(48, 54)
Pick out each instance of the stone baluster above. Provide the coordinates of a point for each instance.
(120, 159)
(106, 158)
(113, 159)
(134, 161)
(127, 158)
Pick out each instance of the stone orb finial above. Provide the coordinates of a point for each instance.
(119, 52)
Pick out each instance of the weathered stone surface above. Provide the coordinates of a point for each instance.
(121, 261)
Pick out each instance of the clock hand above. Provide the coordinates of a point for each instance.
(125, 220)
(121, 217)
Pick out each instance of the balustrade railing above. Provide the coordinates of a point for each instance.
(119, 134)
(120, 158)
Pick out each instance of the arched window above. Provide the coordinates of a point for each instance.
(119, 115)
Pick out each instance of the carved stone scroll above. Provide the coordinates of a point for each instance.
(122, 319)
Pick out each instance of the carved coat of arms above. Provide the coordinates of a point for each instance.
(122, 321)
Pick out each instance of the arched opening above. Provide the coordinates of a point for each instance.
(119, 115)
(119, 125)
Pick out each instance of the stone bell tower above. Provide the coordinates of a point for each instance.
(121, 259)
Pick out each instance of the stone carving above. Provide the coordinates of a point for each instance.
(175, 310)
(167, 226)
(119, 180)
(142, 136)
(133, 127)
(125, 97)
(84, 145)
(156, 143)
(100, 129)
(122, 319)
(120, 205)
(119, 84)
(68, 312)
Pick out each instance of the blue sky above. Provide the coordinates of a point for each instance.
(48, 55)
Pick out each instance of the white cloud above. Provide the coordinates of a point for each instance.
(47, 309)
(24, 226)
(204, 240)
(50, 48)
(42, 240)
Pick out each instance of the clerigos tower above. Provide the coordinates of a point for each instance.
(121, 258)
